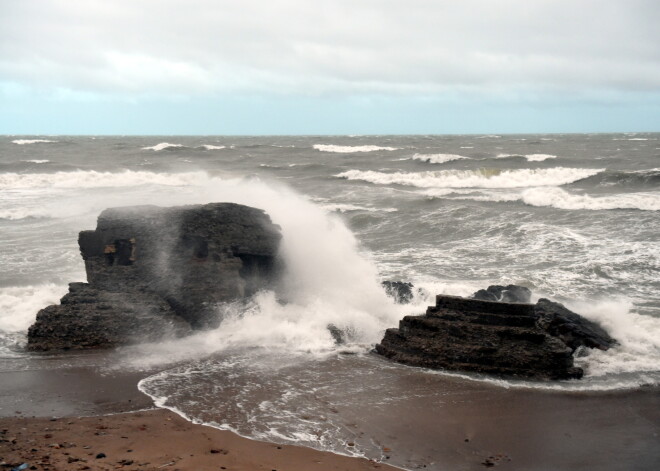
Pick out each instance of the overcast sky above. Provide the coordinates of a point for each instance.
(335, 67)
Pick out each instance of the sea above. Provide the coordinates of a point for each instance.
(573, 217)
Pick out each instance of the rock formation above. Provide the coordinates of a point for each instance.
(154, 272)
(508, 339)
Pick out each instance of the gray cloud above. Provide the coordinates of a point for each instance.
(198, 47)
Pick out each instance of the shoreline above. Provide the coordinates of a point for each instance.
(463, 427)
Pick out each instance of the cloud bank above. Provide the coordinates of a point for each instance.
(474, 50)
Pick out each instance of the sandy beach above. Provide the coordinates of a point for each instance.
(151, 440)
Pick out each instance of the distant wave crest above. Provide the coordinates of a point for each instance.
(438, 158)
(558, 198)
(483, 178)
(168, 146)
(36, 161)
(94, 179)
(529, 157)
(22, 142)
(350, 149)
(163, 146)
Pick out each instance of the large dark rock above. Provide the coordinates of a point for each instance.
(155, 272)
(507, 294)
(508, 339)
(573, 329)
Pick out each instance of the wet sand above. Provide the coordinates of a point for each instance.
(151, 440)
(470, 426)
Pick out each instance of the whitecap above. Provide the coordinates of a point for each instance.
(161, 146)
(350, 149)
(212, 147)
(94, 179)
(438, 158)
(22, 142)
(561, 199)
(483, 178)
(36, 161)
(529, 157)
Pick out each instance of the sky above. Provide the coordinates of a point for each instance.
(328, 67)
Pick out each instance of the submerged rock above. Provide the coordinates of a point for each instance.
(401, 291)
(507, 294)
(155, 272)
(507, 339)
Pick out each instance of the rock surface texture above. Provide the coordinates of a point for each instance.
(507, 339)
(157, 272)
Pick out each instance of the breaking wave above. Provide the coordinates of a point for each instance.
(558, 198)
(212, 147)
(94, 179)
(349, 149)
(19, 304)
(529, 157)
(634, 179)
(22, 142)
(163, 146)
(36, 161)
(483, 178)
(438, 158)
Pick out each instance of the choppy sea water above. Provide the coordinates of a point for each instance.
(573, 217)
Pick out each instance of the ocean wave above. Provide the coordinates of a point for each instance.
(529, 157)
(483, 178)
(94, 179)
(558, 198)
(36, 161)
(349, 149)
(438, 158)
(211, 147)
(22, 142)
(634, 178)
(163, 146)
(19, 304)
(15, 214)
(343, 208)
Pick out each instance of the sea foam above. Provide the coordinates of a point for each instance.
(561, 199)
(529, 157)
(162, 146)
(349, 149)
(483, 178)
(22, 142)
(438, 158)
(94, 179)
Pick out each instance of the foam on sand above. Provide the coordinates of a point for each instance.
(350, 149)
(482, 178)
